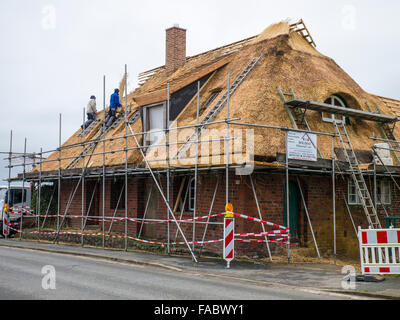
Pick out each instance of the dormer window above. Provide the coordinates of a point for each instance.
(155, 121)
(338, 102)
(210, 100)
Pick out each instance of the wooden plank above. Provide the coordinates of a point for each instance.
(179, 194)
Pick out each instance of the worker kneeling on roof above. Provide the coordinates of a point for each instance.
(114, 105)
(91, 112)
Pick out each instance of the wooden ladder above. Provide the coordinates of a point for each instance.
(92, 146)
(302, 30)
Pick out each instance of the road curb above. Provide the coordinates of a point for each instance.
(96, 256)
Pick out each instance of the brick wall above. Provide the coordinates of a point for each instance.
(175, 53)
(270, 192)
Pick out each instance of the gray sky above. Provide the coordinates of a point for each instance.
(55, 53)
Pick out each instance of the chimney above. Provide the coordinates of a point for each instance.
(175, 53)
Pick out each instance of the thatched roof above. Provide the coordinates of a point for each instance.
(286, 60)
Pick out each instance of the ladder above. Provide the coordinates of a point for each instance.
(387, 133)
(296, 115)
(89, 128)
(302, 30)
(358, 178)
(212, 114)
(92, 146)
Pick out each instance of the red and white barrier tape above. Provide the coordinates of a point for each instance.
(100, 219)
(260, 221)
(281, 241)
(262, 234)
(99, 234)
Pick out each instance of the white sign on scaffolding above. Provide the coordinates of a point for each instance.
(302, 146)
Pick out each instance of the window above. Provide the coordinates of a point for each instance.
(117, 195)
(16, 197)
(383, 193)
(191, 197)
(155, 119)
(338, 102)
(354, 198)
(210, 100)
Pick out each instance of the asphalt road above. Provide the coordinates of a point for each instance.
(79, 278)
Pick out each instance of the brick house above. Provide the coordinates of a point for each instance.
(186, 91)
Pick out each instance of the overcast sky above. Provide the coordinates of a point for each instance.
(55, 52)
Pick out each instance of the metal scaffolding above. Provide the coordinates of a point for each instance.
(81, 178)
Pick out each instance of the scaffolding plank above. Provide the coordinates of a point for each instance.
(348, 112)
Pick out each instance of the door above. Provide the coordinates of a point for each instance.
(294, 209)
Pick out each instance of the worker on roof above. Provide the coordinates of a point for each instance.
(114, 105)
(91, 112)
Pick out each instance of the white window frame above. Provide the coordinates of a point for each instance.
(146, 120)
(331, 100)
(383, 184)
(351, 195)
(386, 186)
(191, 187)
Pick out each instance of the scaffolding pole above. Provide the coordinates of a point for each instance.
(59, 173)
(83, 177)
(334, 199)
(90, 207)
(183, 207)
(196, 166)
(48, 207)
(168, 164)
(308, 217)
(23, 193)
(9, 182)
(226, 142)
(260, 216)
(39, 194)
(162, 194)
(209, 214)
(145, 211)
(104, 164)
(126, 157)
(287, 193)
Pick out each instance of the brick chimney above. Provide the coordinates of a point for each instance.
(175, 53)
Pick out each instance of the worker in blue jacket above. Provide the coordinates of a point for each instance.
(114, 105)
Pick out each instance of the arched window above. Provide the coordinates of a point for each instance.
(338, 102)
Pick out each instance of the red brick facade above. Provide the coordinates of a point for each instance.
(270, 192)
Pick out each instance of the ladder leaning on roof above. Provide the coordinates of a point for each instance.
(298, 120)
(92, 146)
(212, 114)
(296, 115)
(356, 174)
